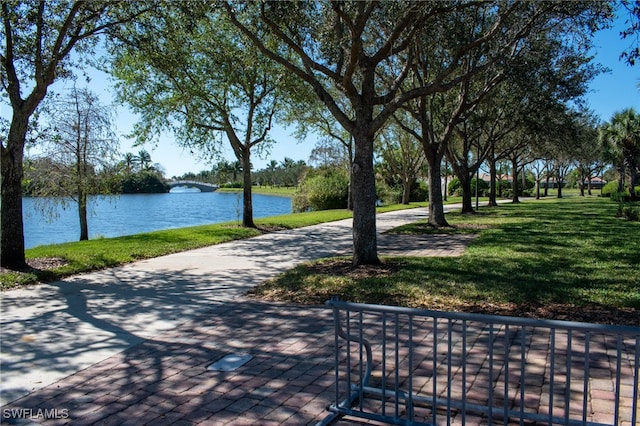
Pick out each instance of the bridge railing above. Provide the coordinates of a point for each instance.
(192, 183)
(419, 367)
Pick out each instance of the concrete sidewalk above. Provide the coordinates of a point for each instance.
(53, 330)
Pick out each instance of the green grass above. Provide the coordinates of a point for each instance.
(85, 256)
(533, 256)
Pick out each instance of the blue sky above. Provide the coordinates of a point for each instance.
(608, 93)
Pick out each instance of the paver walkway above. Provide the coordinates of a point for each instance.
(51, 331)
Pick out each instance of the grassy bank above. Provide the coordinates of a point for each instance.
(56, 261)
(285, 191)
(567, 259)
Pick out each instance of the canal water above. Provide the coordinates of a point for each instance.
(46, 222)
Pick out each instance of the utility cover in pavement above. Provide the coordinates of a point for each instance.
(230, 362)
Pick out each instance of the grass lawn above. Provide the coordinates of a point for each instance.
(565, 259)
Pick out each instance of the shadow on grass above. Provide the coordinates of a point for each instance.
(564, 259)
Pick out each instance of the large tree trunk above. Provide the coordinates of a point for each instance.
(514, 179)
(633, 171)
(12, 240)
(493, 177)
(365, 246)
(406, 190)
(436, 205)
(247, 209)
(350, 194)
(467, 196)
(546, 185)
(559, 185)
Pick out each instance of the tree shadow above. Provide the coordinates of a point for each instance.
(289, 375)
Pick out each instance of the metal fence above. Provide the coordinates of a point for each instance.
(420, 367)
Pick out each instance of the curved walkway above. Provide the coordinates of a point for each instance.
(51, 331)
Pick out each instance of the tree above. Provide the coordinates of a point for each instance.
(588, 152)
(37, 40)
(179, 71)
(402, 157)
(621, 137)
(335, 145)
(365, 50)
(540, 170)
(82, 143)
(632, 31)
(467, 153)
(144, 159)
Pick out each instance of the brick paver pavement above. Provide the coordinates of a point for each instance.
(165, 380)
(289, 380)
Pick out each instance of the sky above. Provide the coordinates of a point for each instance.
(608, 93)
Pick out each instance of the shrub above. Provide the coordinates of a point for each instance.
(386, 194)
(629, 211)
(455, 188)
(232, 185)
(329, 189)
(144, 182)
(610, 188)
(419, 191)
(620, 197)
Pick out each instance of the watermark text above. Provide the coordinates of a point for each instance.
(35, 413)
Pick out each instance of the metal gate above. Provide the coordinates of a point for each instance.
(420, 367)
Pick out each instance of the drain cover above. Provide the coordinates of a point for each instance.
(230, 362)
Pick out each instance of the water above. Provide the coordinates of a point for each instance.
(127, 214)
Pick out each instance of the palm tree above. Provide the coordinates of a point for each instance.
(621, 139)
(129, 162)
(144, 159)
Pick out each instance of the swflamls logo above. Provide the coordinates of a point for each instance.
(35, 413)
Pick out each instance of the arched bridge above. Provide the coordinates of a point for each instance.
(202, 186)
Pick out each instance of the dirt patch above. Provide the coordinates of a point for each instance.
(40, 264)
(345, 268)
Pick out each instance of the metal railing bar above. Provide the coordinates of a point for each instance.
(410, 402)
(464, 372)
(361, 359)
(552, 353)
(409, 329)
(449, 370)
(336, 320)
(506, 374)
(490, 372)
(567, 386)
(523, 358)
(495, 319)
(384, 363)
(434, 379)
(585, 385)
(636, 379)
(396, 382)
(348, 340)
(371, 416)
(616, 411)
(497, 412)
